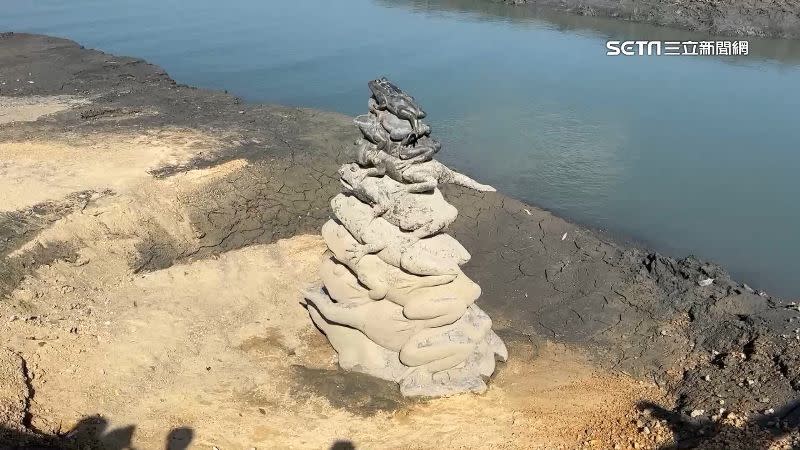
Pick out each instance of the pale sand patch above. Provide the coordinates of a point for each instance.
(198, 177)
(29, 109)
(32, 172)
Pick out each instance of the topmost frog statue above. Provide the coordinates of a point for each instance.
(389, 97)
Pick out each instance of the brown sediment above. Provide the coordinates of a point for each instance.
(765, 18)
(156, 238)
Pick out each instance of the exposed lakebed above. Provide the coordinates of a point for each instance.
(686, 154)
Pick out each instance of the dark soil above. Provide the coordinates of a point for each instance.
(765, 18)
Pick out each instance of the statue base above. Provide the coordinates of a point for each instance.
(470, 339)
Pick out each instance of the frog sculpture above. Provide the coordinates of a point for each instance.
(394, 302)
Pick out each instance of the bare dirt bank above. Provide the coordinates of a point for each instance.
(154, 238)
(765, 18)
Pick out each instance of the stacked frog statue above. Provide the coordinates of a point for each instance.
(394, 302)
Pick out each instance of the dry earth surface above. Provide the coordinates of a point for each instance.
(154, 239)
(766, 18)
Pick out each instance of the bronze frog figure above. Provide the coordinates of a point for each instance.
(399, 130)
(421, 150)
(390, 97)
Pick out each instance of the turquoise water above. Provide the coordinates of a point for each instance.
(685, 154)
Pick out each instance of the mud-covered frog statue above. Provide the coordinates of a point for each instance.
(422, 215)
(422, 176)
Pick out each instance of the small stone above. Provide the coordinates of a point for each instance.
(707, 377)
(81, 261)
(769, 411)
(697, 412)
(26, 295)
(705, 282)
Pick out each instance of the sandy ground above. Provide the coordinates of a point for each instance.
(33, 172)
(27, 109)
(223, 347)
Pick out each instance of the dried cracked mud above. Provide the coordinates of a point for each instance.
(154, 239)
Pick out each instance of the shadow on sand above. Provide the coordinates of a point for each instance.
(91, 433)
(758, 433)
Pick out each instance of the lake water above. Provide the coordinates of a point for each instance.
(685, 154)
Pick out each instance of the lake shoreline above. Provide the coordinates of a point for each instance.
(762, 18)
(224, 178)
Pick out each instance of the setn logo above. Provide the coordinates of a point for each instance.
(684, 48)
(631, 48)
